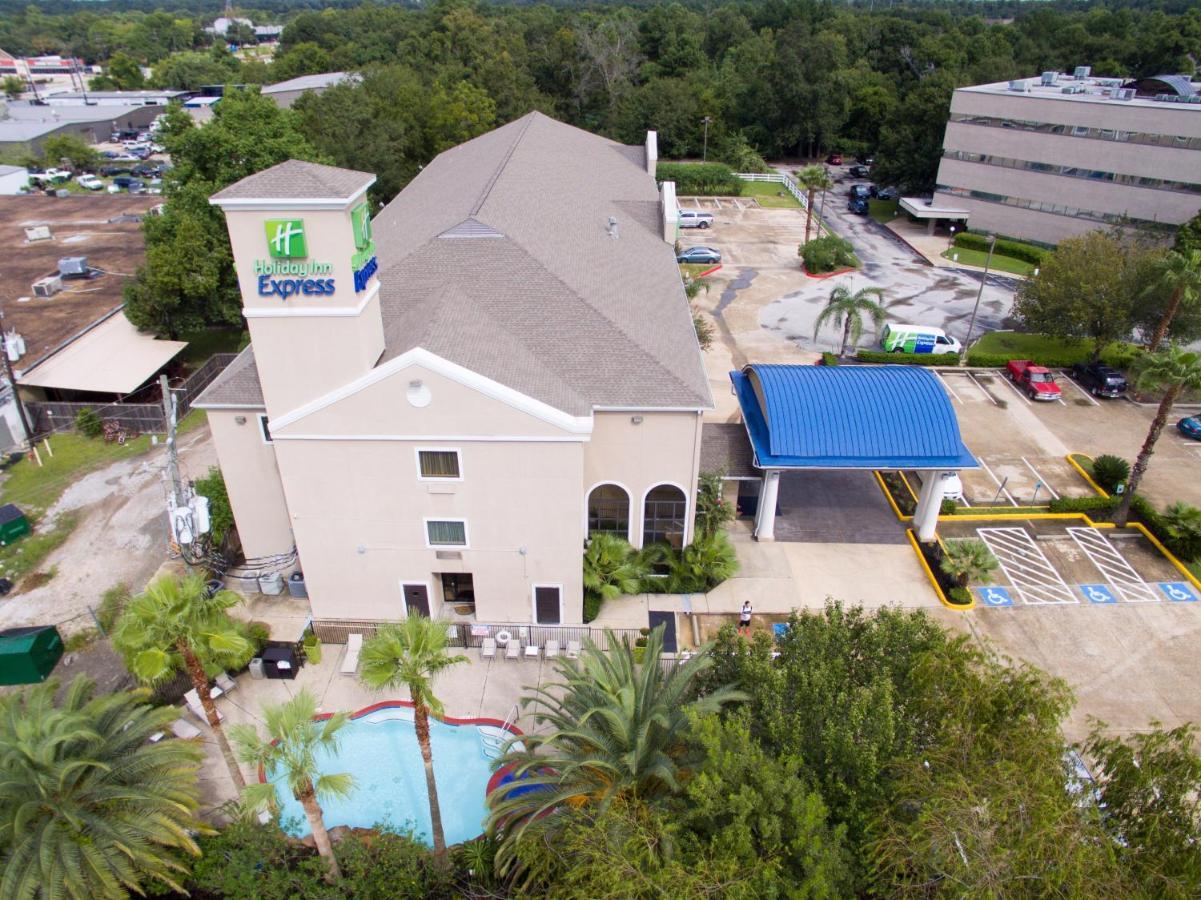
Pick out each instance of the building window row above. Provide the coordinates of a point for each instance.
(1057, 209)
(1083, 131)
(1073, 171)
(664, 513)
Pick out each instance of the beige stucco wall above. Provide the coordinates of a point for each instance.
(252, 481)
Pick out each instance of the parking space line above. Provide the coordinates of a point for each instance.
(983, 390)
(1017, 390)
(1113, 565)
(1087, 396)
(717, 203)
(1000, 484)
(947, 385)
(1044, 481)
(1026, 567)
(738, 205)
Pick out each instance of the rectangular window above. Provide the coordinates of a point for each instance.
(446, 532)
(439, 464)
(458, 587)
(265, 428)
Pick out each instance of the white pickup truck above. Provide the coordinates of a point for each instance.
(691, 218)
(91, 182)
(50, 176)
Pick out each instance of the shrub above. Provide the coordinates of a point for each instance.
(704, 328)
(829, 359)
(1060, 360)
(948, 507)
(87, 423)
(968, 561)
(907, 359)
(112, 603)
(221, 514)
(700, 179)
(1109, 471)
(1013, 249)
(712, 510)
(703, 565)
(827, 254)
(1083, 504)
(611, 568)
(1182, 529)
(258, 633)
(960, 596)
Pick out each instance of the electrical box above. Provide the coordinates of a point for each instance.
(73, 267)
(47, 287)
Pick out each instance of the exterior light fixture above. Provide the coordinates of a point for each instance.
(636, 420)
(241, 420)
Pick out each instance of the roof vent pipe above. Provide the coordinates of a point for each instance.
(652, 152)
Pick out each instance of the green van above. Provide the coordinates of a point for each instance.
(899, 338)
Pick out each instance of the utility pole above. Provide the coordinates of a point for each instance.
(705, 152)
(980, 293)
(12, 382)
(177, 491)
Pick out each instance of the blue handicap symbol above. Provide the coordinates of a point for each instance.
(1178, 591)
(1098, 593)
(994, 596)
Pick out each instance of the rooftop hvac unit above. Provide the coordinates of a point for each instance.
(1166, 98)
(73, 267)
(37, 233)
(1074, 89)
(1123, 94)
(47, 287)
(14, 345)
(1083, 71)
(1050, 78)
(1021, 85)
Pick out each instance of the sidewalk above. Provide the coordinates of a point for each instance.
(931, 247)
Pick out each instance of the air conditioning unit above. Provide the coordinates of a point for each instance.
(73, 267)
(37, 233)
(1050, 78)
(1020, 85)
(1123, 94)
(1074, 89)
(47, 287)
(1083, 71)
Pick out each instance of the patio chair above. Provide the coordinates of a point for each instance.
(552, 649)
(532, 651)
(513, 649)
(226, 683)
(573, 650)
(488, 649)
(350, 662)
(184, 729)
(192, 699)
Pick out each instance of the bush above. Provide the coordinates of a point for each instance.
(907, 359)
(221, 514)
(1083, 504)
(1063, 360)
(1109, 471)
(712, 509)
(827, 254)
(829, 359)
(258, 633)
(612, 569)
(87, 423)
(112, 603)
(948, 507)
(1013, 249)
(960, 596)
(701, 179)
(1181, 525)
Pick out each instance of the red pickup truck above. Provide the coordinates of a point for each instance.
(1037, 381)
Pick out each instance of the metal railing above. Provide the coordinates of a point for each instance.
(471, 634)
(777, 178)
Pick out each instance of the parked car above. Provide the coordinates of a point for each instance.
(137, 187)
(834, 159)
(110, 171)
(859, 171)
(1190, 427)
(858, 206)
(91, 182)
(699, 255)
(1036, 381)
(888, 193)
(50, 176)
(868, 161)
(860, 192)
(692, 218)
(1100, 380)
(147, 170)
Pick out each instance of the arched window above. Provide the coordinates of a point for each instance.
(609, 510)
(663, 515)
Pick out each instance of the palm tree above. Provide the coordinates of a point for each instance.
(177, 625)
(813, 179)
(1171, 370)
(88, 806)
(612, 567)
(412, 654)
(294, 737)
(608, 731)
(846, 310)
(1179, 273)
(968, 561)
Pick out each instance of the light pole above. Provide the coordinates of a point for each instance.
(971, 326)
(705, 152)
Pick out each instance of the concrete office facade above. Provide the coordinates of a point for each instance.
(1059, 155)
(441, 430)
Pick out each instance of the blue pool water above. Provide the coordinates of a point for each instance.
(380, 750)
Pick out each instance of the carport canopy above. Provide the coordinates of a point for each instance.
(849, 417)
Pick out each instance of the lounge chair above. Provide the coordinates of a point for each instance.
(532, 651)
(552, 649)
(513, 649)
(350, 662)
(488, 649)
(192, 699)
(226, 683)
(184, 729)
(573, 650)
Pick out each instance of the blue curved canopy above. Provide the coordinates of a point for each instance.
(849, 417)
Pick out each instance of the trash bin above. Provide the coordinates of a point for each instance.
(272, 584)
(13, 524)
(296, 585)
(256, 668)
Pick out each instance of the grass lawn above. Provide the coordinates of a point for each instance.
(769, 195)
(34, 488)
(194, 419)
(691, 270)
(204, 343)
(999, 263)
(883, 211)
(1023, 346)
(19, 560)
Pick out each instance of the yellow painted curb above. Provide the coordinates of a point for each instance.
(1083, 474)
(1168, 555)
(942, 598)
(888, 496)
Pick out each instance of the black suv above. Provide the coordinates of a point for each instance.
(860, 192)
(1099, 380)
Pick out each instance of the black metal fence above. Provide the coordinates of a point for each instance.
(469, 634)
(48, 417)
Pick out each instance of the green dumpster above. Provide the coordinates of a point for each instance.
(29, 655)
(13, 524)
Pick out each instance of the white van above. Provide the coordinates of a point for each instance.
(900, 338)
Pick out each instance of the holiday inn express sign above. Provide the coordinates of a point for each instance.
(288, 252)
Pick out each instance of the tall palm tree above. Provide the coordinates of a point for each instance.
(88, 806)
(969, 561)
(1179, 273)
(293, 738)
(1173, 371)
(412, 654)
(813, 179)
(176, 625)
(608, 731)
(846, 310)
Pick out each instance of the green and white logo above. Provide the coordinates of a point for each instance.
(360, 220)
(285, 239)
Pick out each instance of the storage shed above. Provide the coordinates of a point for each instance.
(13, 524)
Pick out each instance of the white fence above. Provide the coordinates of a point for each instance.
(776, 178)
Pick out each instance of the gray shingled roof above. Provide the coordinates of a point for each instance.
(238, 385)
(726, 448)
(297, 180)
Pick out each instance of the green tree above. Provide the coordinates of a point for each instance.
(609, 731)
(13, 87)
(1178, 275)
(846, 311)
(1188, 237)
(1172, 371)
(968, 562)
(176, 625)
(76, 151)
(289, 753)
(124, 72)
(189, 71)
(89, 807)
(412, 654)
(713, 512)
(911, 136)
(813, 179)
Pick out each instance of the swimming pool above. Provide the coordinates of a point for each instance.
(379, 748)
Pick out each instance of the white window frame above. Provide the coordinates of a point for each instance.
(417, 451)
(630, 511)
(264, 429)
(534, 602)
(425, 527)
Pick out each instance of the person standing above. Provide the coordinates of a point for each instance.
(744, 618)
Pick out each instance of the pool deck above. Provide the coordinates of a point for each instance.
(475, 689)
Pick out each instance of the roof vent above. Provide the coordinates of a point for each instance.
(73, 267)
(1123, 94)
(1050, 78)
(1083, 71)
(1020, 85)
(37, 233)
(612, 228)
